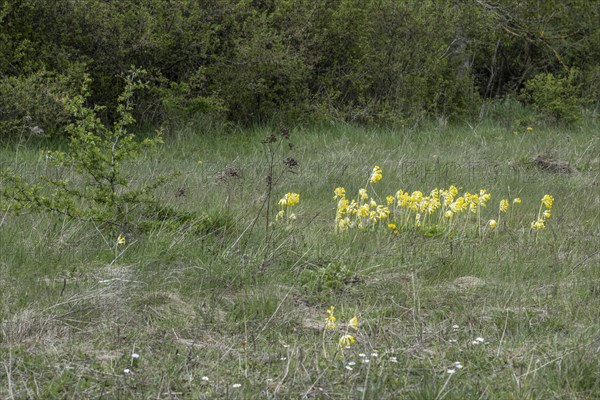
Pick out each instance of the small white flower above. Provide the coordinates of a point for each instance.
(283, 358)
(452, 340)
(236, 385)
(349, 368)
(374, 355)
(135, 355)
(393, 359)
(451, 371)
(362, 355)
(126, 371)
(480, 340)
(365, 361)
(459, 366)
(455, 327)
(351, 363)
(205, 378)
(474, 342)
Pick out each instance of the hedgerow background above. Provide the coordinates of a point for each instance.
(297, 60)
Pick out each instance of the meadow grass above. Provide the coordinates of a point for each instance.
(237, 309)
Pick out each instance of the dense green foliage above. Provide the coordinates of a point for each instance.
(257, 60)
(100, 192)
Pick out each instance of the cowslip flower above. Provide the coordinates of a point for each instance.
(353, 323)
(376, 175)
(517, 200)
(339, 192)
(492, 223)
(290, 199)
(503, 205)
(537, 225)
(330, 321)
(546, 214)
(529, 129)
(347, 340)
(121, 239)
(362, 193)
(547, 200)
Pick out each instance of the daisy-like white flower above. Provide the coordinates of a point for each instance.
(451, 371)
(236, 385)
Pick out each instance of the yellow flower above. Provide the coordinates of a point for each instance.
(353, 323)
(339, 192)
(376, 175)
(539, 224)
(362, 193)
(389, 199)
(448, 214)
(330, 321)
(121, 239)
(547, 200)
(293, 199)
(517, 200)
(492, 223)
(546, 214)
(347, 340)
(392, 226)
(529, 129)
(503, 205)
(364, 210)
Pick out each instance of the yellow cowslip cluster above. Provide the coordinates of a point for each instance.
(439, 207)
(543, 215)
(346, 339)
(363, 213)
(330, 321)
(289, 200)
(376, 175)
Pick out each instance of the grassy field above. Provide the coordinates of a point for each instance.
(237, 309)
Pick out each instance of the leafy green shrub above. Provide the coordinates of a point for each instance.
(555, 96)
(33, 104)
(99, 191)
